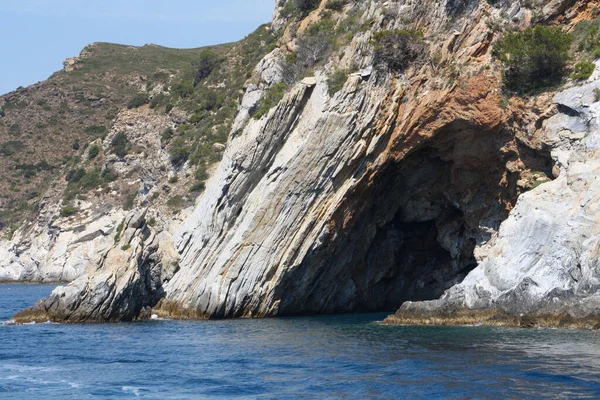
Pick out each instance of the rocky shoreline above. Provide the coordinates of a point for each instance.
(396, 189)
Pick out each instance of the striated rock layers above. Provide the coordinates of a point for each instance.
(124, 286)
(390, 190)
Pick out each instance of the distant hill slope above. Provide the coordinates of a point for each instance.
(47, 130)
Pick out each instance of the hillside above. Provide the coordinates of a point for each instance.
(47, 129)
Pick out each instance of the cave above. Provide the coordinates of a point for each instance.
(412, 231)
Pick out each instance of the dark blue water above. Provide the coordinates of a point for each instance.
(322, 357)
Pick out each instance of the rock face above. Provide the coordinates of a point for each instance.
(544, 265)
(124, 286)
(357, 201)
(58, 248)
(388, 191)
(60, 252)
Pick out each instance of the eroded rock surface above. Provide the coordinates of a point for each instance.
(124, 286)
(544, 267)
(390, 190)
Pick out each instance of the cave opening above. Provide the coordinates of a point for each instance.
(412, 231)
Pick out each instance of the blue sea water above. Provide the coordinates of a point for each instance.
(346, 357)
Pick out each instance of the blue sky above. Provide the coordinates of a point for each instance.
(37, 35)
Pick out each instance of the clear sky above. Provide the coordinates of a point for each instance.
(37, 35)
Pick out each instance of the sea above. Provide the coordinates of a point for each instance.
(323, 357)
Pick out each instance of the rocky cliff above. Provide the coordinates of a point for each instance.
(119, 130)
(347, 185)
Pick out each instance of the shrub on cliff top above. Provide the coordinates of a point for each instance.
(138, 100)
(534, 58)
(583, 70)
(336, 81)
(398, 49)
(298, 8)
(120, 145)
(270, 99)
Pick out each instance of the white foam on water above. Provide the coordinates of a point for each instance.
(27, 368)
(132, 389)
(74, 385)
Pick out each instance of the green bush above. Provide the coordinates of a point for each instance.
(75, 175)
(207, 61)
(534, 58)
(336, 5)
(76, 144)
(175, 202)
(158, 100)
(398, 49)
(138, 100)
(167, 135)
(298, 8)
(91, 180)
(120, 145)
(183, 88)
(95, 129)
(270, 99)
(11, 147)
(14, 129)
(583, 70)
(179, 151)
(93, 152)
(198, 187)
(108, 175)
(129, 201)
(68, 211)
(336, 81)
(119, 231)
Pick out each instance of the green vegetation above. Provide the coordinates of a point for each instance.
(126, 247)
(81, 181)
(176, 202)
(207, 61)
(336, 5)
(398, 49)
(298, 8)
(336, 81)
(14, 129)
(93, 151)
(11, 147)
(138, 100)
(179, 151)
(535, 58)
(269, 100)
(158, 100)
(95, 129)
(120, 145)
(583, 70)
(597, 94)
(212, 110)
(206, 83)
(30, 170)
(68, 210)
(129, 201)
(120, 228)
(586, 37)
(167, 135)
